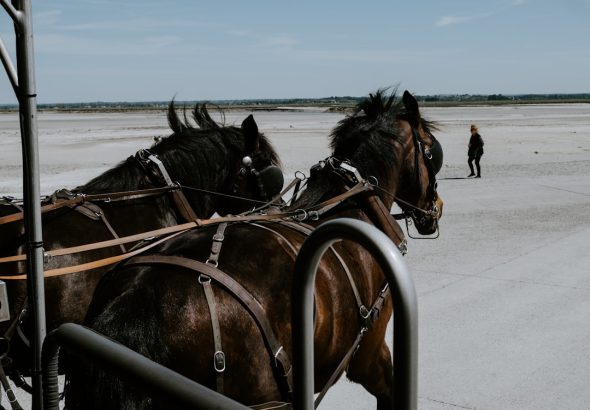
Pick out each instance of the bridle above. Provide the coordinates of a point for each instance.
(268, 181)
(432, 156)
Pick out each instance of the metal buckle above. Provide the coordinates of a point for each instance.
(364, 312)
(204, 278)
(300, 176)
(218, 237)
(219, 361)
(302, 216)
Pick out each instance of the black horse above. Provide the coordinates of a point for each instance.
(221, 169)
(163, 305)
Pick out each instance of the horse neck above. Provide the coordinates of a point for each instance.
(203, 182)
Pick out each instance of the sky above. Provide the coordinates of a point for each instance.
(153, 50)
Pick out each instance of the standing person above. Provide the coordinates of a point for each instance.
(475, 151)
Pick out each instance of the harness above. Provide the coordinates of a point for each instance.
(267, 182)
(208, 272)
(84, 205)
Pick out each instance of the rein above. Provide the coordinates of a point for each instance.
(311, 213)
(79, 199)
(298, 214)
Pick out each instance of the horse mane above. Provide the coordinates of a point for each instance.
(198, 151)
(368, 139)
(365, 137)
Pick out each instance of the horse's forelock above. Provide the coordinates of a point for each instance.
(376, 114)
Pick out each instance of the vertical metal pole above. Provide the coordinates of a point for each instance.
(403, 293)
(27, 99)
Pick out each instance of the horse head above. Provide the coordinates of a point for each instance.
(417, 196)
(389, 141)
(259, 177)
(237, 165)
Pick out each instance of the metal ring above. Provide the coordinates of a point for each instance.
(204, 278)
(370, 180)
(213, 263)
(364, 312)
(303, 178)
(303, 215)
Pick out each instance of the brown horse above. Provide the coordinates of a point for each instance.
(221, 169)
(214, 304)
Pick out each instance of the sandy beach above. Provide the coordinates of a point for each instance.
(504, 292)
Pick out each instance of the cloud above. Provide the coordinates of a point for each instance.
(454, 19)
(47, 18)
(56, 44)
(281, 41)
(450, 20)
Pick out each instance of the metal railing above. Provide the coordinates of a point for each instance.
(23, 82)
(405, 307)
(160, 381)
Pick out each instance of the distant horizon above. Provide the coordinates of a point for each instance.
(451, 96)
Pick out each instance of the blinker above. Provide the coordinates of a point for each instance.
(272, 180)
(436, 156)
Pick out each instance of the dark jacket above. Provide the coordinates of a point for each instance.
(475, 145)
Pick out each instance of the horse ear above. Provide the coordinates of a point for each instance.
(250, 130)
(410, 103)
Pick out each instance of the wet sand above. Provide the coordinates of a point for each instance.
(504, 293)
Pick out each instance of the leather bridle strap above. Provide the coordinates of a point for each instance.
(240, 293)
(186, 211)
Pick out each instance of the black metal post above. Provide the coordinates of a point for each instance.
(405, 334)
(23, 82)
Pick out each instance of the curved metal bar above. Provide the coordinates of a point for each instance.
(9, 67)
(158, 380)
(14, 14)
(405, 334)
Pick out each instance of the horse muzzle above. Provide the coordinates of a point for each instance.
(427, 222)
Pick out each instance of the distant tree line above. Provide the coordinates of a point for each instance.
(501, 97)
(332, 102)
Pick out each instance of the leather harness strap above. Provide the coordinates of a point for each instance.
(93, 211)
(240, 293)
(297, 214)
(184, 208)
(205, 281)
(81, 198)
(382, 218)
